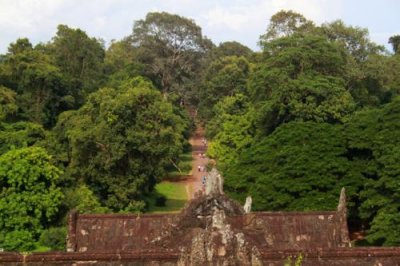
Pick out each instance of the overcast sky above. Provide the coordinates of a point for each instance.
(221, 20)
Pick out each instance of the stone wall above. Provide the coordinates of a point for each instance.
(311, 257)
(275, 230)
(292, 230)
(107, 232)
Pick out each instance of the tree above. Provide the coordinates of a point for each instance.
(300, 79)
(395, 42)
(375, 81)
(374, 148)
(121, 63)
(231, 49)
(171, 47)
(8, 105)
(355, 40)
(120, 142)
(19, 135)
(300, 166)
(37, 81)
(20, 46)
(231, 129)
(80, 59)
(284, 24)
(226, 76)
(29, 198)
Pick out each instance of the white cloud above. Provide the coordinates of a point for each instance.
(225, 19)
(221, 20)
(242, 15)
(26, 15)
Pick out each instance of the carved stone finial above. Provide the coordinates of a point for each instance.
(214, 183)
(342, 201)
(342, 211)
(71, 236)
(247, 204)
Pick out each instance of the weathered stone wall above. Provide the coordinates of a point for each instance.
(334, 257)
(311, 257)
(292, 230)
(143, 257)
(107, 232)
(275, 230)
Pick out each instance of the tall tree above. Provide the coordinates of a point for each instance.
(284, 24)
(373, 137)
(120, 142)
(231, 49)
(225, 76)
(121, 63)
(395, 42)
(171, 47)
(354, 39)
(300, 166)
(8, 104)
(37, 81)
(80, 59)
(300, 79)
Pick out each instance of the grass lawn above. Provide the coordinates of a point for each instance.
(175, 194)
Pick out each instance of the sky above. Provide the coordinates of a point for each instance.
(221, 20)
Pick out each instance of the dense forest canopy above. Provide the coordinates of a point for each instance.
(94, 129)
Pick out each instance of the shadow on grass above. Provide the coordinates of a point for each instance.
(172, 194)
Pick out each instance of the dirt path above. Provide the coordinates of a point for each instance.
(194, 184)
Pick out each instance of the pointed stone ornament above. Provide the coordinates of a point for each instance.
(342, 215)
(214, 183)
(247, 204)
(342, 206)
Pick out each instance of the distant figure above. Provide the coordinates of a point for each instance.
(199, 168)
(203, 180)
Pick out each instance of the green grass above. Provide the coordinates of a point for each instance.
(175, 194)
(40, 248)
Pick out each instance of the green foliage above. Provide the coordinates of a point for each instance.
(181, 166)
(374, 145)
(18, 240)
(395, 42)
(8, 105)
(80, 58)
(296, 261)
(121, 63)
(37, 81)
(82, 199)
(19, 135)
(301, 166)
(226, 76)
(231, 49)
(301, 80)
(231, 129)
(29, 198)
(290, 125)
(286, 23)
(171, 47)
(120, 142)
(54, 238)
(354, 40)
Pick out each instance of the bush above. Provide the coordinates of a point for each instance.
(160, 201)
(54, 238)
(18, 241)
